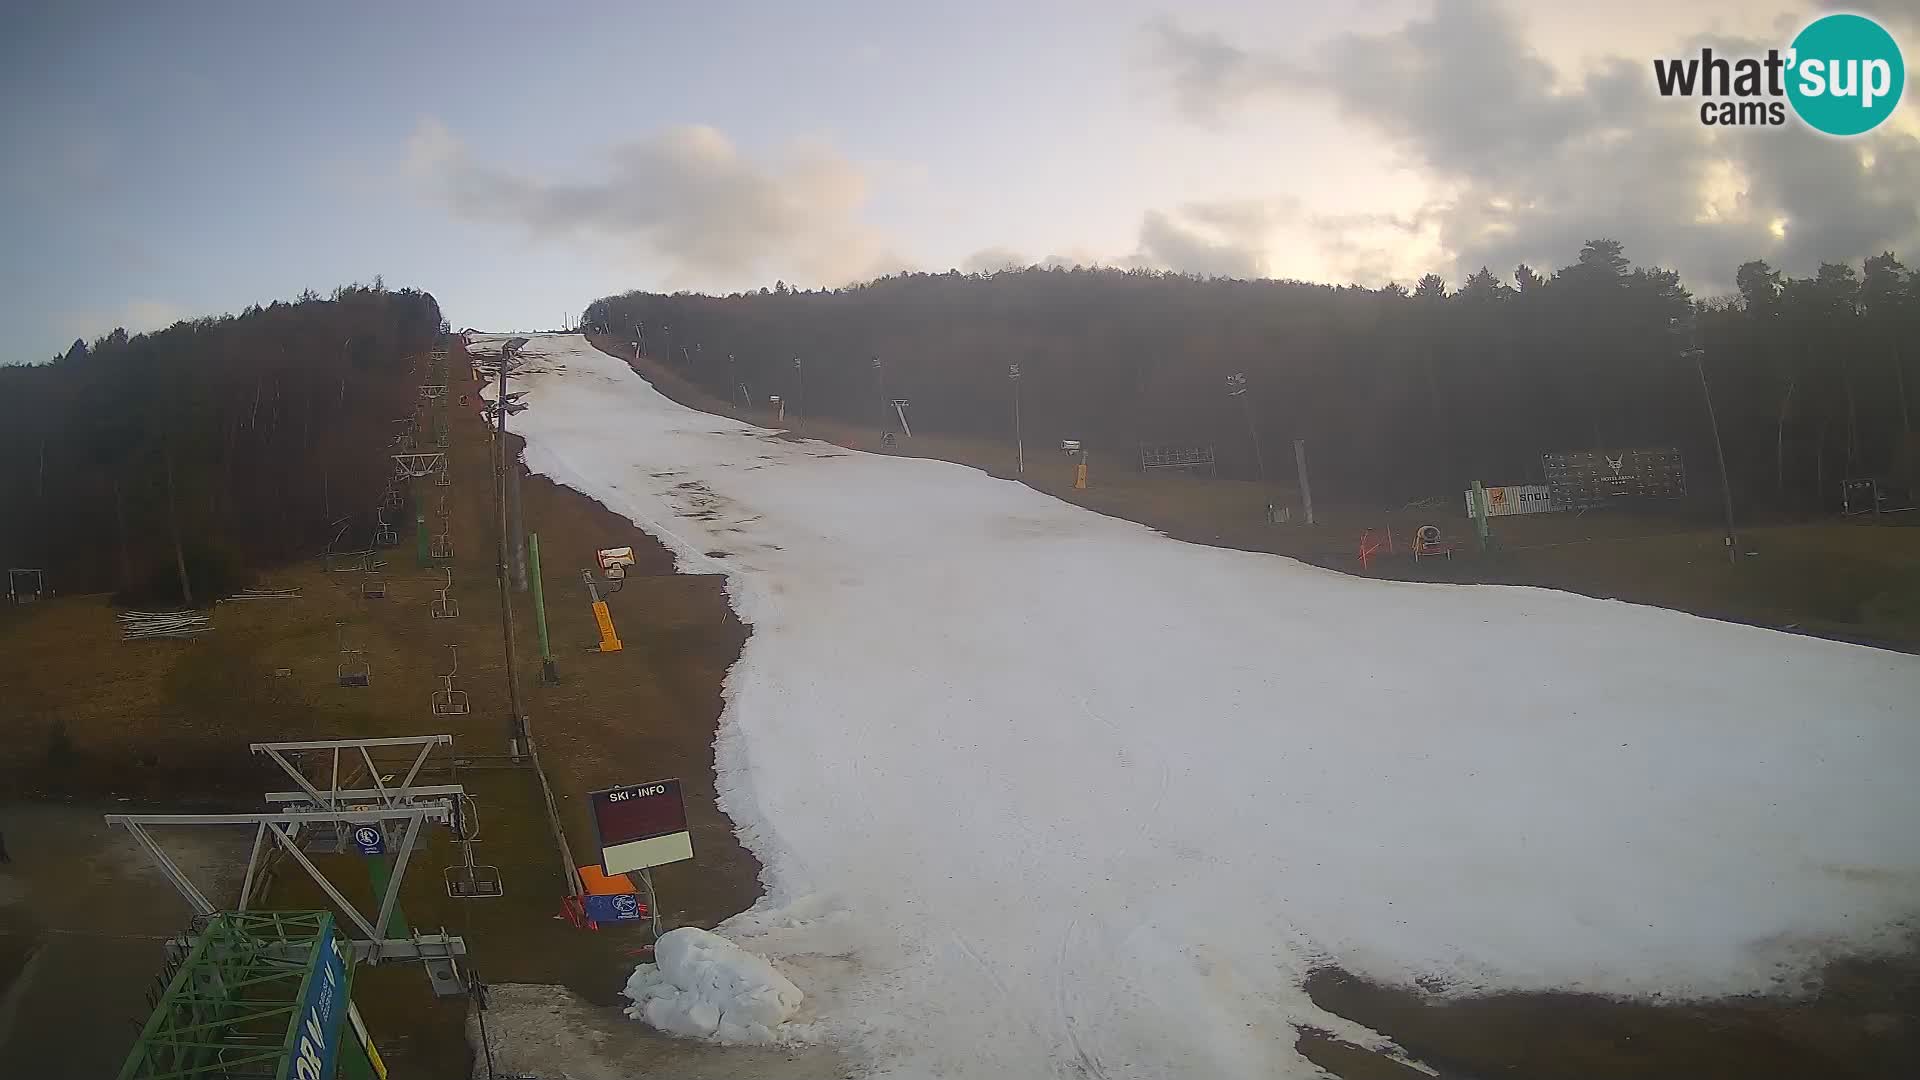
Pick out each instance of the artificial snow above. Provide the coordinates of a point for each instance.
(1042, 792)
(705, 987)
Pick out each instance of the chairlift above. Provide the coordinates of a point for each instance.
(441, 479)
(440, 546)
(339, 530)
(354, 669)
(374, 585)
(384, 534)
(474, 881)
(444, 606)
(26, 584)
(447, 701)
(348, 562)
(470, 880)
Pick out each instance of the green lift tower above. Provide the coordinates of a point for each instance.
(263, 995)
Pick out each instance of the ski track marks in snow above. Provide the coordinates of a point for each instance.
(1039, 792)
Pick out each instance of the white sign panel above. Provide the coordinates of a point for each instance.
(1522, 499)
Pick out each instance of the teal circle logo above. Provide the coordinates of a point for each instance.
(1846, 75)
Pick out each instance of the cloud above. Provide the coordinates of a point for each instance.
(993, 259)
(1227, 238)
(686, 195)
(1527, 164)
(136, 316)
(1210, 75)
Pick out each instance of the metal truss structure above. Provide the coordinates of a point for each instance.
(233, 1000)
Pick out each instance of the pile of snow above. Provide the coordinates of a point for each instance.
(1039, 792)
(705, 987)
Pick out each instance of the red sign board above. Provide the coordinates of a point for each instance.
(641, 825)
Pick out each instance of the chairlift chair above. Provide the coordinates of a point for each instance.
(469, 880)
(384, 534)
(354, 669)
(447, 701)
(441, 479)
(26, 584)
(440, 546)
(473, 881)
(374, 585)
(444, 606)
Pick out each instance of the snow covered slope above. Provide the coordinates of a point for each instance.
(1042, 792)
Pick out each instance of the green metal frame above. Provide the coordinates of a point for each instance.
(232, 1008)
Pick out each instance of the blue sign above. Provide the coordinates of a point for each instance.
(369, 840)
(619, 907)
(322, 1006)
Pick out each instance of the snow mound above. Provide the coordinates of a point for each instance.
(705, 987)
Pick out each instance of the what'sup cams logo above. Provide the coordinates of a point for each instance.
(1843, 75)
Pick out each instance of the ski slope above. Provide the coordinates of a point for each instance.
(1040, 792)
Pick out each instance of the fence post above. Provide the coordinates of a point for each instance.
(548, 673)
(1480, 515)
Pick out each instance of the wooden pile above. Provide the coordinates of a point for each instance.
(135, 625)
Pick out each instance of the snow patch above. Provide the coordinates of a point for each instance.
(703, 986)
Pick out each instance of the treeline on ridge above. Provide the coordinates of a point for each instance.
(1398, 392)
(188, 459)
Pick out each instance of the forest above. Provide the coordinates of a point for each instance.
(173, 466)
(1399, 392)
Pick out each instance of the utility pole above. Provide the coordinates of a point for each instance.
(1698, 355)
(1237, 387)
(800, 394)
(1019, 442)
(1306, 489)
(880, 390)
(519, 739)
(1689, 332)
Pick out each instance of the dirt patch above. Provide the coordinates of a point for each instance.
(547, 1031)
(165, 725)
(1860, 1022)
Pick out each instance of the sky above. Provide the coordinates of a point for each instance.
(169, 161)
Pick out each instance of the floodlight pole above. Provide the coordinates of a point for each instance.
(1019, 443)
(800, 385)
(1237, 387)
(1698, 355)
(1306, 489)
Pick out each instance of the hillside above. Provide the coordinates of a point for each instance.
(209, 449)
(1402, 393)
